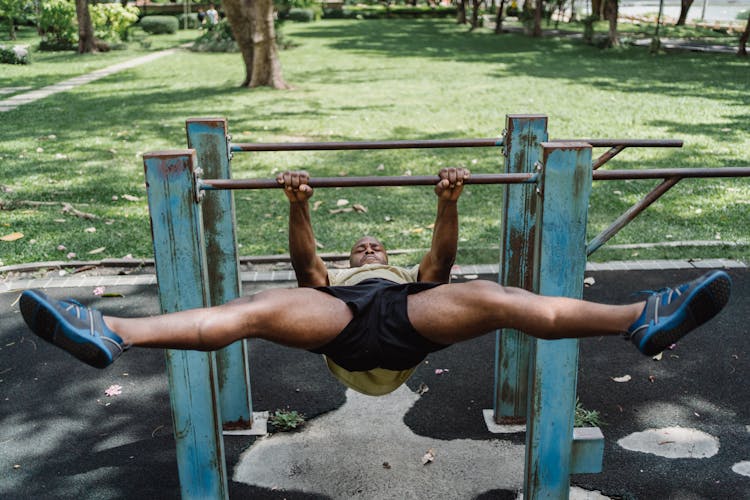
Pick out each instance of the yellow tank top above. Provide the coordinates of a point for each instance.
(378, 381)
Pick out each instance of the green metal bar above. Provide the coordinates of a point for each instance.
(208, 136)
(560, 248)
(523, 134)
(180, 261)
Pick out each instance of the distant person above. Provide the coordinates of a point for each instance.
(201, 17)
(212, 16)
(375, 322)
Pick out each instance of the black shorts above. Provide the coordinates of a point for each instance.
(380, 334)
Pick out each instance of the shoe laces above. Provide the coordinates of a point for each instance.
(74, 307)
(670, 292)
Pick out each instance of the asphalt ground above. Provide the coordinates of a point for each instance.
(62, 437)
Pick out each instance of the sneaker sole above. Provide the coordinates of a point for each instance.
(705, 302)
(46, 322)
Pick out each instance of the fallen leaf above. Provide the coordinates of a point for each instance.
(130, 197)
(624, 378)
(343, 174)
(113, 390)
(380, 167)
(97, 250)
(651, 379)
(90, 230)
(316, 205)
(71, 255)
(341, 202)
(416, 230)
(12, 237)
(359, 208)
(589, 281)
(40, 150)
(98, 291)
(658, 356)
(387, 218)
(431, 226)
(422, 388)
(407, 173)
(428, 457)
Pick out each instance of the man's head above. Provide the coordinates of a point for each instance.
(367, 250)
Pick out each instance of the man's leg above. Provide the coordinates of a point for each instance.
(300, 317)
(456, 312)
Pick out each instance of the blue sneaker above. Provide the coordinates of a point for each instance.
(673, 312)
(69, 325)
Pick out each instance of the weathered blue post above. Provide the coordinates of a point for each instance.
(209, 138)
(523, 135)
(560, 249)
(179, 251)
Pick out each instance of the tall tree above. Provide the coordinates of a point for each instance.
(499, 18)
(610, 11)
(538, 11)
(461, 11)
(475, 6)
(684, 8)
(86, 41)
(11, 9)
(253, 28)
(742, 51)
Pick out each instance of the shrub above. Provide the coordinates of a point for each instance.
(57, 24)
(219, 39)
(300, 15)
(159, 25)
(15, 54)
(743, 15)
(192, 20)
(111, 20)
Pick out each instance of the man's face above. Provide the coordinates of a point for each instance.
(367, 250)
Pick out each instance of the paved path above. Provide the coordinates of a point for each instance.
(34, 95)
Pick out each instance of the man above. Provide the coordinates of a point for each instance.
(373, 322)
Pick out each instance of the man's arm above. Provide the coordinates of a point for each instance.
(308, 266)
(437, 263)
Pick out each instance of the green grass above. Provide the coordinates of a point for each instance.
(361, 80)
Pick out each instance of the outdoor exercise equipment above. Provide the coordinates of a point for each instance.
(545, 208)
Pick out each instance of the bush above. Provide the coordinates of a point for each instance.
(111, 20)
(14, 54)
(743, 15)
(300, 15)
(192, 20)
(57, 24)
(159, 25)
(219, 39)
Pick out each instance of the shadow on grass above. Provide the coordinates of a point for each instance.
(626, 69)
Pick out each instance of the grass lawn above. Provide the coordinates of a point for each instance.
(362, 80)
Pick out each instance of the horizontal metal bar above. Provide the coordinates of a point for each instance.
(437, 143)
(664, 173)
(371, 181)
(429, 180)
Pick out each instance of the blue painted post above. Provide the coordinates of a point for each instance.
(561, 258)
(208, 136)
(523, 134)
(180, 258)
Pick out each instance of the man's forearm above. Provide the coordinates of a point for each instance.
(445, 233)
(302, 247)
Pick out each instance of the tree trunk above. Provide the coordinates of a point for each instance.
(499, 19)
(684, 12)
(611, 14)
(596, 9)
(538, 18)
(266, 64)
(461, 12)
(742, 51)
(475, 14)
(239, 17)
(86, 42)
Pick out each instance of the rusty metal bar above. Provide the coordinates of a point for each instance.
(611, 153)
(438, 143)
(664, 173)
(372, 181)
